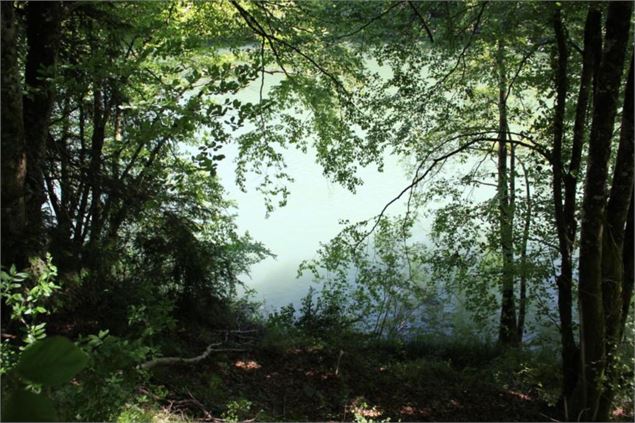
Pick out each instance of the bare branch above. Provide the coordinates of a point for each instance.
(180, 360)
(367, 24)
(465, 48)
(521, 65)
(423, 22)
(253, 23)
(413, 184)
(478, 137)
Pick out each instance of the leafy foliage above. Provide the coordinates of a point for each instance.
(52, 361)
(381, 289)
(28, 294)
(118, 120)
(46, 362)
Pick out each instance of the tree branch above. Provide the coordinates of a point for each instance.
(180, 360)
(479, 137)
(367, 24)
(253, 23)
(423, 22)
(521, 65)
(462, 54)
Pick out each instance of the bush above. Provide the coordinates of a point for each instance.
(110, 381)
(460, 352)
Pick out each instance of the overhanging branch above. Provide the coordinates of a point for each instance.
(423, 22)
(253, 23)
(478, 137)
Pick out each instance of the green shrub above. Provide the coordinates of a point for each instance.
(43, 364)
(237, 410)
(460, 352)
(28, 296)
(110, 381)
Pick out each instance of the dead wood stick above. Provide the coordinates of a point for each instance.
(236, 330)
(337, 368)
(181, 360)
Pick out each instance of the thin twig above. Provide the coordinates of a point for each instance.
(465, 48)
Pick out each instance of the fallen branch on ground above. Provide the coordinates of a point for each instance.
(180, 360)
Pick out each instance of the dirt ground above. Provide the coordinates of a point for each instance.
(312, 384)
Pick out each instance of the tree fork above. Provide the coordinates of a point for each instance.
(593, 329)
(613, 246)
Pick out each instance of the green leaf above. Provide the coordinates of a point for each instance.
(52, 361)
(25, 406)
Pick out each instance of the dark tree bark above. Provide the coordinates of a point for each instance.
(508, 326)
(565, 211)
(100, 117)
(565, 208)
(43, 29)
(593, 328)
(613, 246)
(628, 255)
(84, 187)
(13, 148)
(61, 246)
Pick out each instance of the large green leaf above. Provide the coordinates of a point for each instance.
(25, 406)
(51, 361)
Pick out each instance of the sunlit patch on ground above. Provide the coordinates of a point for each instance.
(318, 374)
(360, 408)
(409, 410)
(519, 395)
(247, 364)
(619, 412)
(272, 375)
(373, 412)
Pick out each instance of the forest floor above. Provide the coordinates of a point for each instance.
(321, 383)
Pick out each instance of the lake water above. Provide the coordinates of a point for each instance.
(311, 217)
(294, 232)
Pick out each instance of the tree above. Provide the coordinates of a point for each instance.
(13, 145)
(469, 109)
(27, 122)
(599, 324)
(565, 209)
(43, 26)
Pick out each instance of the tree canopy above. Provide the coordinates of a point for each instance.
(513, 120)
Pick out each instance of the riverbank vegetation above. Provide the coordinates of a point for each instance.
(502, 293)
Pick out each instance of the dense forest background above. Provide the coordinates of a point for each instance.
(502, 292)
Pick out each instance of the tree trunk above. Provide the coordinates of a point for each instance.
(628, 256)
(593, 328)
(613, 246)
(43, 28)
(508, 327)
(13, 148)
(100, 117)
(565, 213)
(522, 298)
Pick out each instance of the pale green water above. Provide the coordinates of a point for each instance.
(294, 233)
